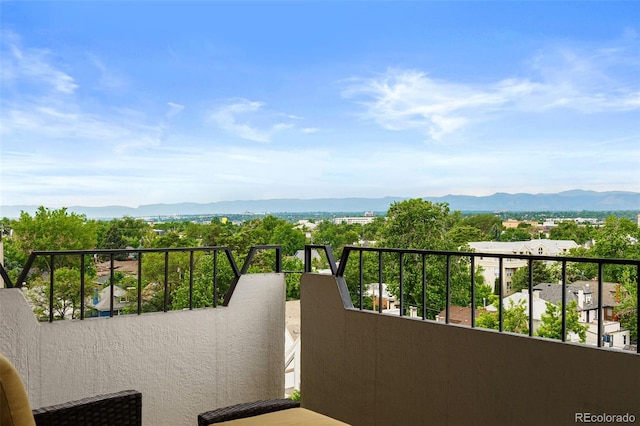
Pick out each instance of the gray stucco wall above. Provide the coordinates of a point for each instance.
(183, 362)
(369, 369)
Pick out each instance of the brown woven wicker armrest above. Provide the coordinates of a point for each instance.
(120, 408)
(247, 409)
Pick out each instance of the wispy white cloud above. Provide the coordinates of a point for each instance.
(108, 79)
(44, 105)
(34, 65)
(235, 118)
(560, 78)
(174, 109)
(405, 99)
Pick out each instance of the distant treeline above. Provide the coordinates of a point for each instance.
(319, 216)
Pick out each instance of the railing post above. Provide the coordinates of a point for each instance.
(424, 286)
(166, 281)
(278, 259)
(448, 289)
(600, 319)
(379, 283)
(139, 282)
(361, 278)
(401, 284)
(215, 278)
(637, 312)
(307, 259)
(5, 277)
(501, 294)
(191, 279)
(473, 291)
(564, 300)
(51, 280)
(25, 270)
(111, 283)
(531, 297)
(82, 285)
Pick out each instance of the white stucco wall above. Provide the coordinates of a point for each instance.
(183, 362)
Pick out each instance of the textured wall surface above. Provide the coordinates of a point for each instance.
(366, 369)
(183, 362)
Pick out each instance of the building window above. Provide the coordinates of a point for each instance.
(540, 250)
(508, 285)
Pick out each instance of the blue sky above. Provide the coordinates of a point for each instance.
(130, 103)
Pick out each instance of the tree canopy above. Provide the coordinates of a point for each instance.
(551, 322)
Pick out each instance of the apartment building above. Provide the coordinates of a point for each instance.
(491, 265)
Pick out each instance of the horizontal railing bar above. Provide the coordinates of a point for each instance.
(137, 250)
(611, 261)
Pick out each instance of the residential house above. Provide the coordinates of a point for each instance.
(315, 256)
(585, 294)
(458, 315)
(100, 301)
(387, 299)
(539, 305)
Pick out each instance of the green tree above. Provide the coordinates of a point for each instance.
(515, 234)
(114, 239)
(133, 232)
(486, 223)
(66, 294)
(617, 239)
(288, 237)
(541, 274)
(462, 234)
(171, 239)
(153, 267)
(53, 230)
(551, 322)
(570, 230)
(218, 233)
(203, 290)
(417, 223)
(336, 235)
(372, 230)
(627, 311)
(421, 224)
(290, 265)
(515, 318)
(50, 230)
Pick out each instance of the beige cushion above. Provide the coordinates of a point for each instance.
(15, 409)
(290, 417)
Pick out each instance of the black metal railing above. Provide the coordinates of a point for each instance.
(356, 301)
(82, 256)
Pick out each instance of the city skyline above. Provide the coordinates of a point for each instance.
(133, 103)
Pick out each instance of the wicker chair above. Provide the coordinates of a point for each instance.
(247, 409)
(117, 409)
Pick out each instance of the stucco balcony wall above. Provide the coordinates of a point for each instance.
(183, 362)
(370, 369)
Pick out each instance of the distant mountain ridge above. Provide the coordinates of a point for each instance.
(575, 200)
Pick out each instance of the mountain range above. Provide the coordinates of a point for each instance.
(575, 200)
